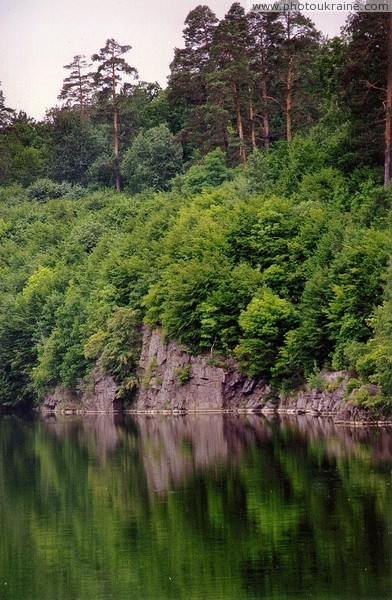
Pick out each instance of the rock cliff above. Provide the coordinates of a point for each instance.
(173, 380)
(100, 397)
(330, 402)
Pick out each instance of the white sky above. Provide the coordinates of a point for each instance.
(39, 37)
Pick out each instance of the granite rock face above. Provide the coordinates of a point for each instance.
(61, 400)
(172, 379)
(101, 398)
(327, 402)
(331, 402)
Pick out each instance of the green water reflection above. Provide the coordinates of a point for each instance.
(194, 507)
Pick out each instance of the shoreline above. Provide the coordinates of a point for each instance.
(367, 419)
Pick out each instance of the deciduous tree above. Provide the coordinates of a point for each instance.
(74, 144)
(152, 161)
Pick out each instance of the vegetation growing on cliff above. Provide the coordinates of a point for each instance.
(283, 263)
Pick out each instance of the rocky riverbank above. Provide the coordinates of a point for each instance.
(175, 381)
(171, 380)
(99, 397)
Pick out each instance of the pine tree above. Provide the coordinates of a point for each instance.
(388, 106)
(78, 87)
(365, 87)
(266, 35)
(187, 86)
(111, 69)
(301, 40)
(230, 78)
(6, 114)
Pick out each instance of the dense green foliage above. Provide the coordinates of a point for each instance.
(283, 263)
(280, 281)
(152, 160)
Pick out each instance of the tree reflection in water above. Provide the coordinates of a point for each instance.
(195, 506)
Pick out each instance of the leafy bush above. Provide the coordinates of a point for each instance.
(369, 401)
(264, 324)
(45, 189)
(351, 385)
(210, 172)
(118, 349)
(182, 375)
(316, 381)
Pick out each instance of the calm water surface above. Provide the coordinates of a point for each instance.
(196, 507)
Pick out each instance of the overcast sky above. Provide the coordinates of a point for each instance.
(39, 37)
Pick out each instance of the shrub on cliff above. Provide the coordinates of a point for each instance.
(264, 324)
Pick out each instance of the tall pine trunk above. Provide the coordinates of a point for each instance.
(240, 128)
(388, 107)
(265, 116)
(117, 177)
(252, 121)
(289, 98)
(81, 102)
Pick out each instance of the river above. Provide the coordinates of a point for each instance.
(195, 507)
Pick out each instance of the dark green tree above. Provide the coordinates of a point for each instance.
(152, 161)
(74, 146)
(133, 103)
(187, 87)
(111, 70)
(363, 82)
(230, 78)
(266, 38)
(22, 150)
(6, 114)
(299, 48)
